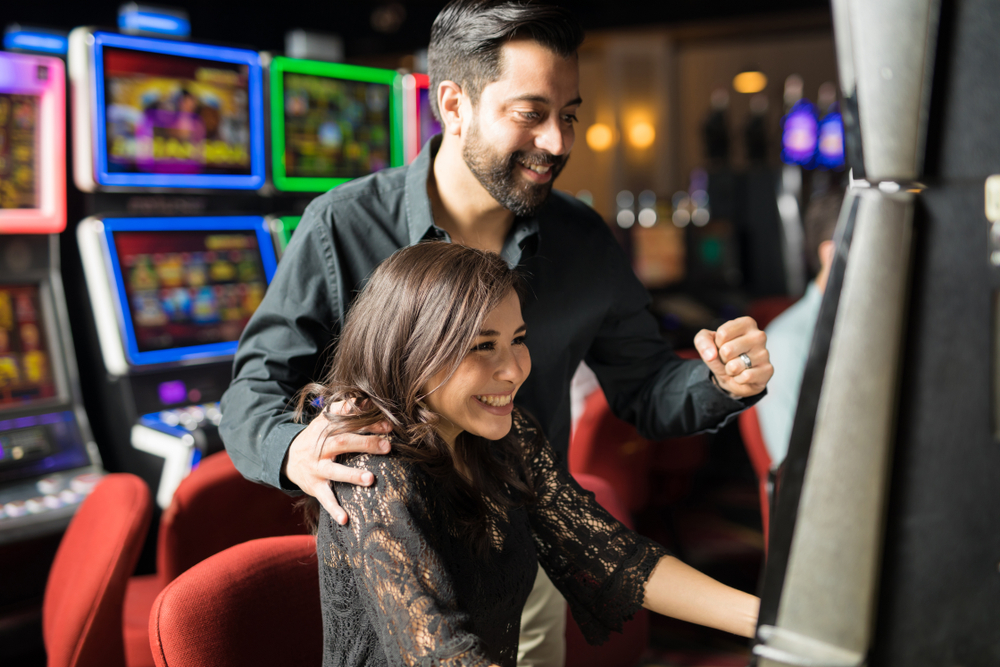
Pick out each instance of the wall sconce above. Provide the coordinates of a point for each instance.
(600, 137)
(750, 82)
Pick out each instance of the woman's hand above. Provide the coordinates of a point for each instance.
(309, 463)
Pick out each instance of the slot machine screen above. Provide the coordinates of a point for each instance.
(332, 123)
(25, 364)
(800, 135)
(182, 115)
(32, 440)
(19, 116)
(429, 125)
(188, 293)
(32, 145)
(830, 146)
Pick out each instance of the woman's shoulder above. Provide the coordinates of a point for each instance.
(394, 473)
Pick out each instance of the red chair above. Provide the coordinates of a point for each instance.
(256, 603)
(760, 459)
(604, 446)
(213, 509)
(82, 608)
(765, 309)
(621, 650)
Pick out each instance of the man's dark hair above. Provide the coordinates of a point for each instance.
(822, 214)
(467, 36)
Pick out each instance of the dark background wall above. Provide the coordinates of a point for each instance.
(263, 25)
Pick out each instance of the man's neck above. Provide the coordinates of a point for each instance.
(462, 206)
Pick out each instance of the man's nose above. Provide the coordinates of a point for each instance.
(555, 137)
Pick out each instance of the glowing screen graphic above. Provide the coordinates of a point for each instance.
(336, 128)
(18, 151)
(188, 288)
(168, 114)
(25, 367)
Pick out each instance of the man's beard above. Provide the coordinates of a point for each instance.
(496, 173)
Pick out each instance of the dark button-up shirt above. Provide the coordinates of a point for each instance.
(584, 303)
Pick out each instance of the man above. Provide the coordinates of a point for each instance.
(790, 334)
(505, 83)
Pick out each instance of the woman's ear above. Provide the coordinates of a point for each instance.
(450, 98)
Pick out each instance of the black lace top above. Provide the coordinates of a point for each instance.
(399, 587)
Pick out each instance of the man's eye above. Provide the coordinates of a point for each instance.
(529, 115)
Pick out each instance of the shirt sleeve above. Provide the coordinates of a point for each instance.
(645, 382)
(599, 565)
(399, 576)
(281, 351)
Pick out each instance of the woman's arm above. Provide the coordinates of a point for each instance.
(607, 572)
(678, 590)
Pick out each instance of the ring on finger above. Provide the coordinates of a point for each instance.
(745, 358)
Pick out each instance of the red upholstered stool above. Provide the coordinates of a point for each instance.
(760, 459)
(212, 509)
(765, 309)
(621, 650)
(253, 604)
(82, 609)
(604, 446)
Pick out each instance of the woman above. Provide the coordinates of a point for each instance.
(441, 552)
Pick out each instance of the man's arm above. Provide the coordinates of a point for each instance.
(650, 387)
(281, 350)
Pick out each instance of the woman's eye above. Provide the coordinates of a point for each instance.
(483, 347)
(529, 115)
(570, 118)
(520, 340)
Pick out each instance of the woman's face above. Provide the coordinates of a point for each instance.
(479, 397)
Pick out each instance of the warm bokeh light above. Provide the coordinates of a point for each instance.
(641, 135)
(599, 137)
(749, 82)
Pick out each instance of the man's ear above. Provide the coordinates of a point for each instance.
(450, 98)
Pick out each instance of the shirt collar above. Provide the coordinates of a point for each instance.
(420, 219)
(418, 205)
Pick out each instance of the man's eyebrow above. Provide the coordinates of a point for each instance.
(541, 99)
(494, 332)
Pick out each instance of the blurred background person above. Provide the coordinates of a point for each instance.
(790, 334)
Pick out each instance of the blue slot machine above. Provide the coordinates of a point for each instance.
(168, 140)
(179, 292)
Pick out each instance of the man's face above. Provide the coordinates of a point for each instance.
(519, 135)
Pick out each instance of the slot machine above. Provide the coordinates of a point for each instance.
(420, 122)
(883, 547)
(169, 145)
(181, 291)
(48, 459)
(49, 462)
(329, 123)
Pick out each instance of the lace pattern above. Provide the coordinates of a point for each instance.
(400, 587)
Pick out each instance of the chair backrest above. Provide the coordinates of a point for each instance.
(82, 609)
(607, 447)
(765, 309)
(256, 603)
(215, 508)
(760, 459)
(623, 649)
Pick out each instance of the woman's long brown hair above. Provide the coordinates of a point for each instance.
(421, 312)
